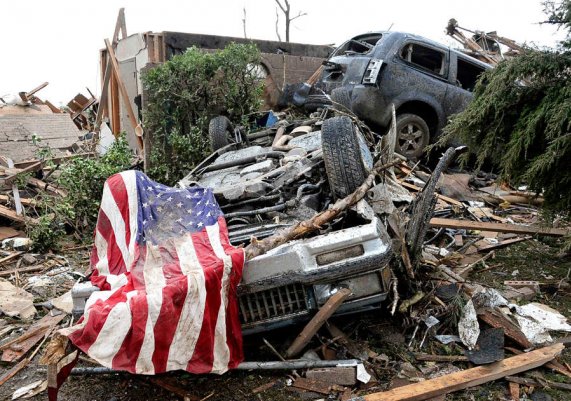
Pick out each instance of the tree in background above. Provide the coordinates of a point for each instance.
(286, 10)
(520, 118)
(185, 92)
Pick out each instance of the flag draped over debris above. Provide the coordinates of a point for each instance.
(168, 276)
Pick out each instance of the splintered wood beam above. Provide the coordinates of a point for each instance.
(468, 378)
(497, 227)
(324, 313)
(36, 90)
(123, 90)
(12, 215)
(120, 26)
(104, 95)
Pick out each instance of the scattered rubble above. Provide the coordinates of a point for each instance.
(428, 313)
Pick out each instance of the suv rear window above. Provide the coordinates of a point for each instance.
(468, 74)
(424, 57)
(358, 45)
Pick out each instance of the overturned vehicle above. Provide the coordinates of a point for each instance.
(280, 176)
(276, 177)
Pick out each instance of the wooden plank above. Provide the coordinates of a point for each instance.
(15, 191)
(120, 26)
(534, 383)
(514, 391)
(46, 187)
(10, 257)
(36, 90)
(103, 99)
(503, 244)
(497, 319)
(315, 386)
(12, 215)
(53, 108)
(32, 336)
(441, 197)
(496, 227)
(115, 113)
(54, 160)
(439, 358)
(123, 91)
(12, 372)
(553, 365)
(468, 378)
(23, 201)
(28, 269)
(8, 232)
(317, 321)
(32, 167)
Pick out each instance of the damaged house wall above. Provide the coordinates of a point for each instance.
(283, 63)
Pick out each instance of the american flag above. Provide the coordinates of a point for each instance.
(168, 276)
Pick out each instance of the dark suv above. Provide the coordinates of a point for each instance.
(426, 81)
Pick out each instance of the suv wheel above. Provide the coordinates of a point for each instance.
(346, 155)
(220, 132)
(413, 135)
(341, 99)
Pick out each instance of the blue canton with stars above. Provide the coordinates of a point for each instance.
(166, 212)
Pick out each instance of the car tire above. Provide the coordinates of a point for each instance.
(413, 135)
(220, 131)
(341, 98)
(346, 156)
(316, 101)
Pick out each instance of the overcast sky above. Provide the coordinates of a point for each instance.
(59, 40)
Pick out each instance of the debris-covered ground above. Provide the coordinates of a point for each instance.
(461, 256)
(373, 271)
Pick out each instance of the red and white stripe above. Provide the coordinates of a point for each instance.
(165, 307)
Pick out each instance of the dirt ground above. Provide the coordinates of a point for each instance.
(372, 332)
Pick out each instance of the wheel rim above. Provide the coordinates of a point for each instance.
(411, 138)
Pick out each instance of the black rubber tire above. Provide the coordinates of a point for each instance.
(417, 136)
(219, 132)
(316, 101)
(344, 165)
(341, 99)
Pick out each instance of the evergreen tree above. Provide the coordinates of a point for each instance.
(520, 118)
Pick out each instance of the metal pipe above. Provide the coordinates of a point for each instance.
(310, 187)
(245, 160)
(249, 201)
(261, 134)
(276, 208)
(271, 365)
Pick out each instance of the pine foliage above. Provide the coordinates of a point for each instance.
(520, 121)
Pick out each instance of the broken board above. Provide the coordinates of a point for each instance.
(496, 227)
(468, 378)
(34, 334)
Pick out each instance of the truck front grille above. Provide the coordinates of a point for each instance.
(274, 303)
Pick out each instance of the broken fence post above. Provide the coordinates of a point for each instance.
(324, 313)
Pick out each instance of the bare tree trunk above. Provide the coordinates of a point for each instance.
(286, 9)
(287, 20)
(278, 25)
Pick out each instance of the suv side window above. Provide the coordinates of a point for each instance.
(467, 74)
(426, 58)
